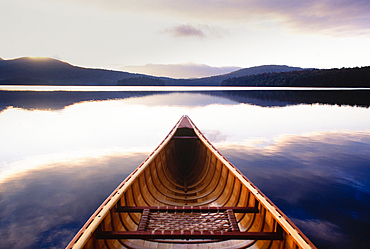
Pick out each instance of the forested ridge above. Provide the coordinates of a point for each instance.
(343, 77)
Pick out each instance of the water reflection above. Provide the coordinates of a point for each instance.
(44, 208)
(137, 124)
(55, 100)
(57, 166)
(321, 181)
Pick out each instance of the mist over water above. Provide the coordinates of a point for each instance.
(62, 153)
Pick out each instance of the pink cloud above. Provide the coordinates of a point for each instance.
(186, 31)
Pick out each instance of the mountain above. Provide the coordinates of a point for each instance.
(46, 71)
(217, 80)
(262, 69)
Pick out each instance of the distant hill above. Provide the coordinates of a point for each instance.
(263, 69)
(344, 77)
(46, 71)
(217, 80)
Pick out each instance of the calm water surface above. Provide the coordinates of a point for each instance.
(62, 153)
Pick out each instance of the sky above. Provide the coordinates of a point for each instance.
(188, 38)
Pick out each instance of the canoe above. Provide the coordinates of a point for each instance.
(187, 195)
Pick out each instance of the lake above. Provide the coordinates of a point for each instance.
(63, 151)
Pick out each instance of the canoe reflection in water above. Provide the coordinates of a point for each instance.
(186, 194)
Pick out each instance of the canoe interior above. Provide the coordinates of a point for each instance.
(185, 195)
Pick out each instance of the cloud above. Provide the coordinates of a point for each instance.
(185, 31)
(321, 229)
(186, 70)
(342, 17)
(200, 31)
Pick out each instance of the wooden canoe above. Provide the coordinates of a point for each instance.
(187, 195)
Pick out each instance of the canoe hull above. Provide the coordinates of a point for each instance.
(184, 195)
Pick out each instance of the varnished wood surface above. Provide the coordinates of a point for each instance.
(187, 171)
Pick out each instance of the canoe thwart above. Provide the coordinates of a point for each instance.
(186, 209)
(185, 137)
(157, 234)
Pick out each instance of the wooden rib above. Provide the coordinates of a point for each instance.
(213, 183)
(144, 192)
(218, 190)
(243, 203)
(114, 225)
(197, 163)
(165, 190)
(168, 174)
(160, 196)
(204, 182)
(227, 191)
(205, 167)
(128, 222)
(161, 156)
(172, 168)
(160, 189)
(162, 177)
(150, 192)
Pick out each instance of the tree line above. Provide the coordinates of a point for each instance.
(343, 77)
